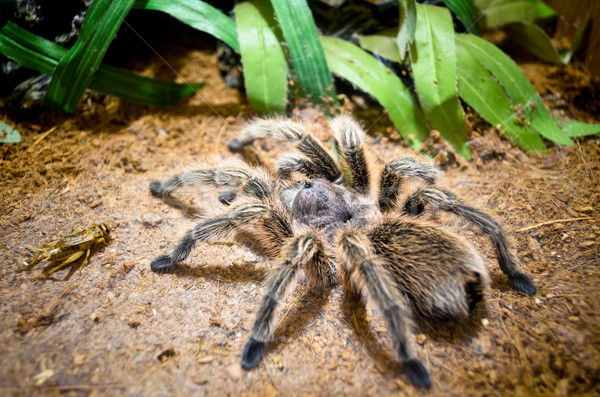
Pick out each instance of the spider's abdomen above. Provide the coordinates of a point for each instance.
(441, 273)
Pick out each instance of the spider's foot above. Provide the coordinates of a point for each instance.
(252, 353)
(155, 188)
(227, 197)
(524, 283)
(417, 373)
(162, 264)
(235, 146)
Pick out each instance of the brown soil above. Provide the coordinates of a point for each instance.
(118, 328)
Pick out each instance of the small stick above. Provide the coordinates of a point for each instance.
(584, 218)
(45, 134)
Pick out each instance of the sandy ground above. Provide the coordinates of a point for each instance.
(117, 328)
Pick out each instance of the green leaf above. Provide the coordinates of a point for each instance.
(43, 55)
(466, 12)
(384, 44)
(302, 39)
(197, 14)
(496, 13)
(515, 84)
(533, 39)
(263, 60)
(575, 128)
(481, 91)
(362, 69)
(433, 58)
(407, 26)
(9, 134)
(75, 70)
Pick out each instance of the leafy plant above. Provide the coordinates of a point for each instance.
(281, 49)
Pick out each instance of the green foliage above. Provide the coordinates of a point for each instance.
(445, 66)
(42, 55)
(433, 59)
(363, 70)
(302, 40)
(466, 12)
(263, 59)
(495, 13)
(197, 14)
(407, 26)
(76, 69)
(9, 134)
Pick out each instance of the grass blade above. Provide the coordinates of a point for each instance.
(515, 84)
(466, 12)
(575, 128)
(197, 14)
(495, 13)
(43, 55)
(76, 69)
(407, 26)
(263, 60)
(481, 91)
(533, 39)
(302, 39)
(433, 58)
(362, 69)
(384, 44)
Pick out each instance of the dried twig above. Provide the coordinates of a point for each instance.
(583, 218)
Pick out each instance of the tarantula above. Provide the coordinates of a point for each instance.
(360, 234)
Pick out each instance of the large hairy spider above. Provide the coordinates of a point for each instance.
(361, 234)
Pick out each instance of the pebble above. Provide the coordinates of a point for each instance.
(151, 219)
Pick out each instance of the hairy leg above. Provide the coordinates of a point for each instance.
(214, 228)
(250, 181)
(394, 174)
(350, 137)
(297, 254)
(289, 131)
(365, 271)
(447, 201)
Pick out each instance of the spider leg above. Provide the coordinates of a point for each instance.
(251, 182)
(289, 131)
(396, 171)
(364, 269)
(447, 201)
(350, 137)
(290, 163)
(211, 229)
(297, 254)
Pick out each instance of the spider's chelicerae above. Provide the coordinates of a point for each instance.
(366, 234)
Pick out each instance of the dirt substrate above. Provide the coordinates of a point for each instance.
(118, 328)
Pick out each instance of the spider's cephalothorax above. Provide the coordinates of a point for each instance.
(369, 235)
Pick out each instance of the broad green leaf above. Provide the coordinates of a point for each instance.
(302, 39)
(75, 70)
(384, 44)
(197, 14)
(515, 84)
(533, 39)
(466, 12)
(481, 91)
(433, 58)
(496, 13)
(362, 69)
(43, 55)
(406, 26)
(575, 128)
(263, 60)
(9, 134)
